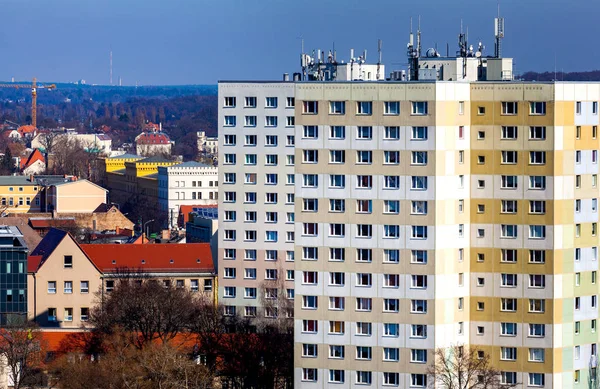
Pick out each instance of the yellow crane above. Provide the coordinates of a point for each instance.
(34, 87)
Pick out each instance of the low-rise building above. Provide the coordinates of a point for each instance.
(153, 141)
(188, 183)
(34, 164)
(64, 276)
(207, 144)
(13, 276)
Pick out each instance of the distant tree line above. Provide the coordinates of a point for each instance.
(592, 75)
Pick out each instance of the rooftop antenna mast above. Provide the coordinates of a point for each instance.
(499, 34)
(413, 54)
(379, 60)
(419, 37)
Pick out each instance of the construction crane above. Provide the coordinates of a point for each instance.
(34, 87)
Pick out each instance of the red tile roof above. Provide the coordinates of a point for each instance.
(47, 223)
(28, 129)
(159, 258)
(152, 138)
(36, 155)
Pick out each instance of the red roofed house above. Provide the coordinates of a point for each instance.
(27, 131)
(35, 164)
(64, 276)
(152, 141)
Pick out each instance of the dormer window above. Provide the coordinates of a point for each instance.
(68, 261)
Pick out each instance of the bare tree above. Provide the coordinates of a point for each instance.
(21, 347)
(147, 309)
(278, 306)
(461, 367)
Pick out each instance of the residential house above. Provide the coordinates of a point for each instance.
(62, 282)
(64, 276)
(34, 164)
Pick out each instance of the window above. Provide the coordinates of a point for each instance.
(336, 351)
(537, 206)
(419, 133)
(336, 376)
(229, 121)
(419, 108)
(419, 182)
(250, 102)
(337, 328)
(364, 157)
(508, 231)
(337, 205)
(290, 140)
(309, 374)
(537, 182)
(508, 329)
(337, 254)
(418, 356)
(391, 379)
(391, 157)
(509, 107)
(418, 207)
(537, 157)
(391, 108)
(509, 206)
(537, 232)
(309, 302)
(310, 132)
(364, 304)
(310, 205)
(391, 206)
(68, 261)
(364, 107)
(418, 306)
(337, 107)
(310, 156)
(310, 180)
(418, 281)
(419, 157)
(363, 206)
(337, 181)
(271, 102)
(290, 121)
(537, 256)
(250, 159)
(419, 232)
(364, 132)
(508, 353)
(391, 354)
(508, 305)
(310, 107)
(337, 132)
(337, 156)
(364, 255)
(310, 253)
(84, 287)
(418, 380)
(52, 287)
(537, 108)
(336, 303)
(508, 280)
(391, 133)
(537, 305)
(509, 157)
(508, 182)
(363, 377)
(418, 256)
(537, 281)
(391, 182)
(250, 121)
(229, 102)
(537, 133)
(337, 229)
(509, 132)
(68, 314)
(537, 330)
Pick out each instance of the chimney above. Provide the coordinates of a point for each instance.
(31, 178)
(286, 76)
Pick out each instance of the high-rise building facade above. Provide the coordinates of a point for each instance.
(256, 199)
(427, 214)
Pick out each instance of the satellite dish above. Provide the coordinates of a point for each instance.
(478, 54)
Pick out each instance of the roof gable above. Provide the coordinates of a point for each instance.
(53, 239)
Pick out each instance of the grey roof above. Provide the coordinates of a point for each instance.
(16, 180)
(126, 156)
(190, 164)
(49, 243)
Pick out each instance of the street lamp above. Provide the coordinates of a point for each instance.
(144, 229)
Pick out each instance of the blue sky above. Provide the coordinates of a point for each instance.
(203, 41)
